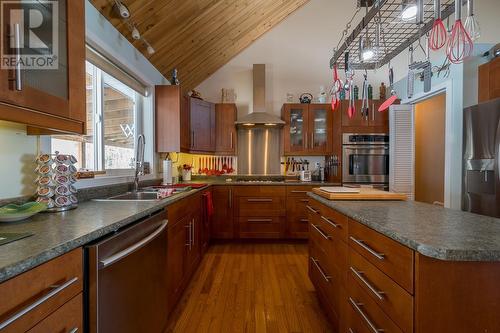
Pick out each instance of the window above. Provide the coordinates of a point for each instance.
(113, 110)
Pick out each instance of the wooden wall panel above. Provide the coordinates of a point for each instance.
(198, 36)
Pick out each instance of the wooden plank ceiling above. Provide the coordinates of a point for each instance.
(198, 36)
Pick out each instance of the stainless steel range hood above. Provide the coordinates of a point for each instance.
(259, 116)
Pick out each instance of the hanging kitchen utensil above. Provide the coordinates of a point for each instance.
(410, 83)
(438, 35)
(230, 170)
(427, 72)
(337, 86)
(364, 96)
(224, 165)
(306, 98)
(205, 165)
(199, 166)
(460, 44)
(388, 102)
(471, 24)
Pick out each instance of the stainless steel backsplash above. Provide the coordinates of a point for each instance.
(259, 151)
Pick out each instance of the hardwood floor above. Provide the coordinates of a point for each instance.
(251, 288)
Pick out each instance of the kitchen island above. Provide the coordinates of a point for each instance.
(404, 266)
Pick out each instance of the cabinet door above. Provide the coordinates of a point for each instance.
(202, 115)
(185, 125)
(358, 119)
(320, 128)
(225, 116)
(59, 91)
(295, 131)
(377, 118)
(178, 243)
(222, 221)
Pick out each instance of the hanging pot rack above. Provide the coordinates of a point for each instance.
(397, 35)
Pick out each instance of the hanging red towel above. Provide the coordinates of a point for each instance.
(209, 205)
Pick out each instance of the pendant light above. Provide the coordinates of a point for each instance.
(409, 10)
(366, 47)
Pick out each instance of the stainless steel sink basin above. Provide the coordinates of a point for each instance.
(132, 196)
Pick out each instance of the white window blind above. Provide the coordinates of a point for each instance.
(402, 150)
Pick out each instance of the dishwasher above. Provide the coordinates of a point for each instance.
(126, 284)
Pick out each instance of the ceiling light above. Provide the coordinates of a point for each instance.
(366, 50)
(150, 50)
(269, 124)
(122, 9)
(409, 10)
(367, 54)
(136, 34)
(248, 124)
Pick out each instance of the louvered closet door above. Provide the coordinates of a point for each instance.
(402, 150)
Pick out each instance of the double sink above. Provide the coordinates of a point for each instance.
(144, 194)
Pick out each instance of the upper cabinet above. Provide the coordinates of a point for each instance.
(308, 129)
(372, 118)
(54, 98)
(225, 129)
(489, 80)
(202, 115)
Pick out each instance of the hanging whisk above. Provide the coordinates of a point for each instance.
(438, 35)
(459, 44)
(471, 24)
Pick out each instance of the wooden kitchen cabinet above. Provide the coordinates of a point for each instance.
(308, 129)
(374, 121)
(297, 222)
(202, 121)
(489, 80)
(225, 140)
(68, 318)
(222, 226)
(64, 273)
(51, 99)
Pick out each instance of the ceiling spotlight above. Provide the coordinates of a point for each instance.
(409, 10)
(136, 34)
(122, 9)
(150, 50)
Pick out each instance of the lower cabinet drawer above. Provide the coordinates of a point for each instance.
(362, 309)
(261, 227)
(28, 298)
(67, 319)
(261, 206)
(392, 298)
(297, 217)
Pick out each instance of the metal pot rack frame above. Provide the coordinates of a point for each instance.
(395, 33)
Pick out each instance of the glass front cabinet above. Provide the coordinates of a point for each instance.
(308, 129)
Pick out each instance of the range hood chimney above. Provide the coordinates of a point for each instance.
(259, 116)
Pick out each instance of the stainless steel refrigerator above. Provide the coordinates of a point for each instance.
(481, 159)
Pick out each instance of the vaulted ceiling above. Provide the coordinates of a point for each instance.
(198, 36)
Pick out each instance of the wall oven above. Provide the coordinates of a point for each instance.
(365, 159)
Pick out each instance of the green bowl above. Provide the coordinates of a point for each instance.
(12, 212)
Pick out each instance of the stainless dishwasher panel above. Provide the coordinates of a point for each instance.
(127, 279)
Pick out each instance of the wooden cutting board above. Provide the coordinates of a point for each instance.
(364, 194)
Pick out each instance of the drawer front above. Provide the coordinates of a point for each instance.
(335, 222)
(298, 190)
(386, 254)
(297, 217)
(68, 318)
(324, 279)
(361, 308)
(261, 227)
(261, 206)
(28, 298)
(256, 191)
(392, 298)
(179, 209)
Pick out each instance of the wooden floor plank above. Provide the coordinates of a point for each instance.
(251, 288)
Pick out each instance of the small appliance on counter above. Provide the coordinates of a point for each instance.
(56, 179)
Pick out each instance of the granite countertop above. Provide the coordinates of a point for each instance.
(58, 233)
(222, 181)
(433, 231)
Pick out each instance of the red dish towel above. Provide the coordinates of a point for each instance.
(209, 205)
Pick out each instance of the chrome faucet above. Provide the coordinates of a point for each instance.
(139, 160)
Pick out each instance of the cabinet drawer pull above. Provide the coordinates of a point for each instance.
(232, 140)
(260, 200)
(304, 200)
(188, 244)
(330, 222)
(379, 256)
(74, 330)
(55, 291)
(312, 209)
(326, 277)
(260, 220)
(122, 254)
(192, 233)
(230, 198)
(325, 236)
(356, 307)
(304, 220)
(17, 41)
(358, 274)
(296, 191)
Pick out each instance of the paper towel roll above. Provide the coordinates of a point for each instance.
(167, 172)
